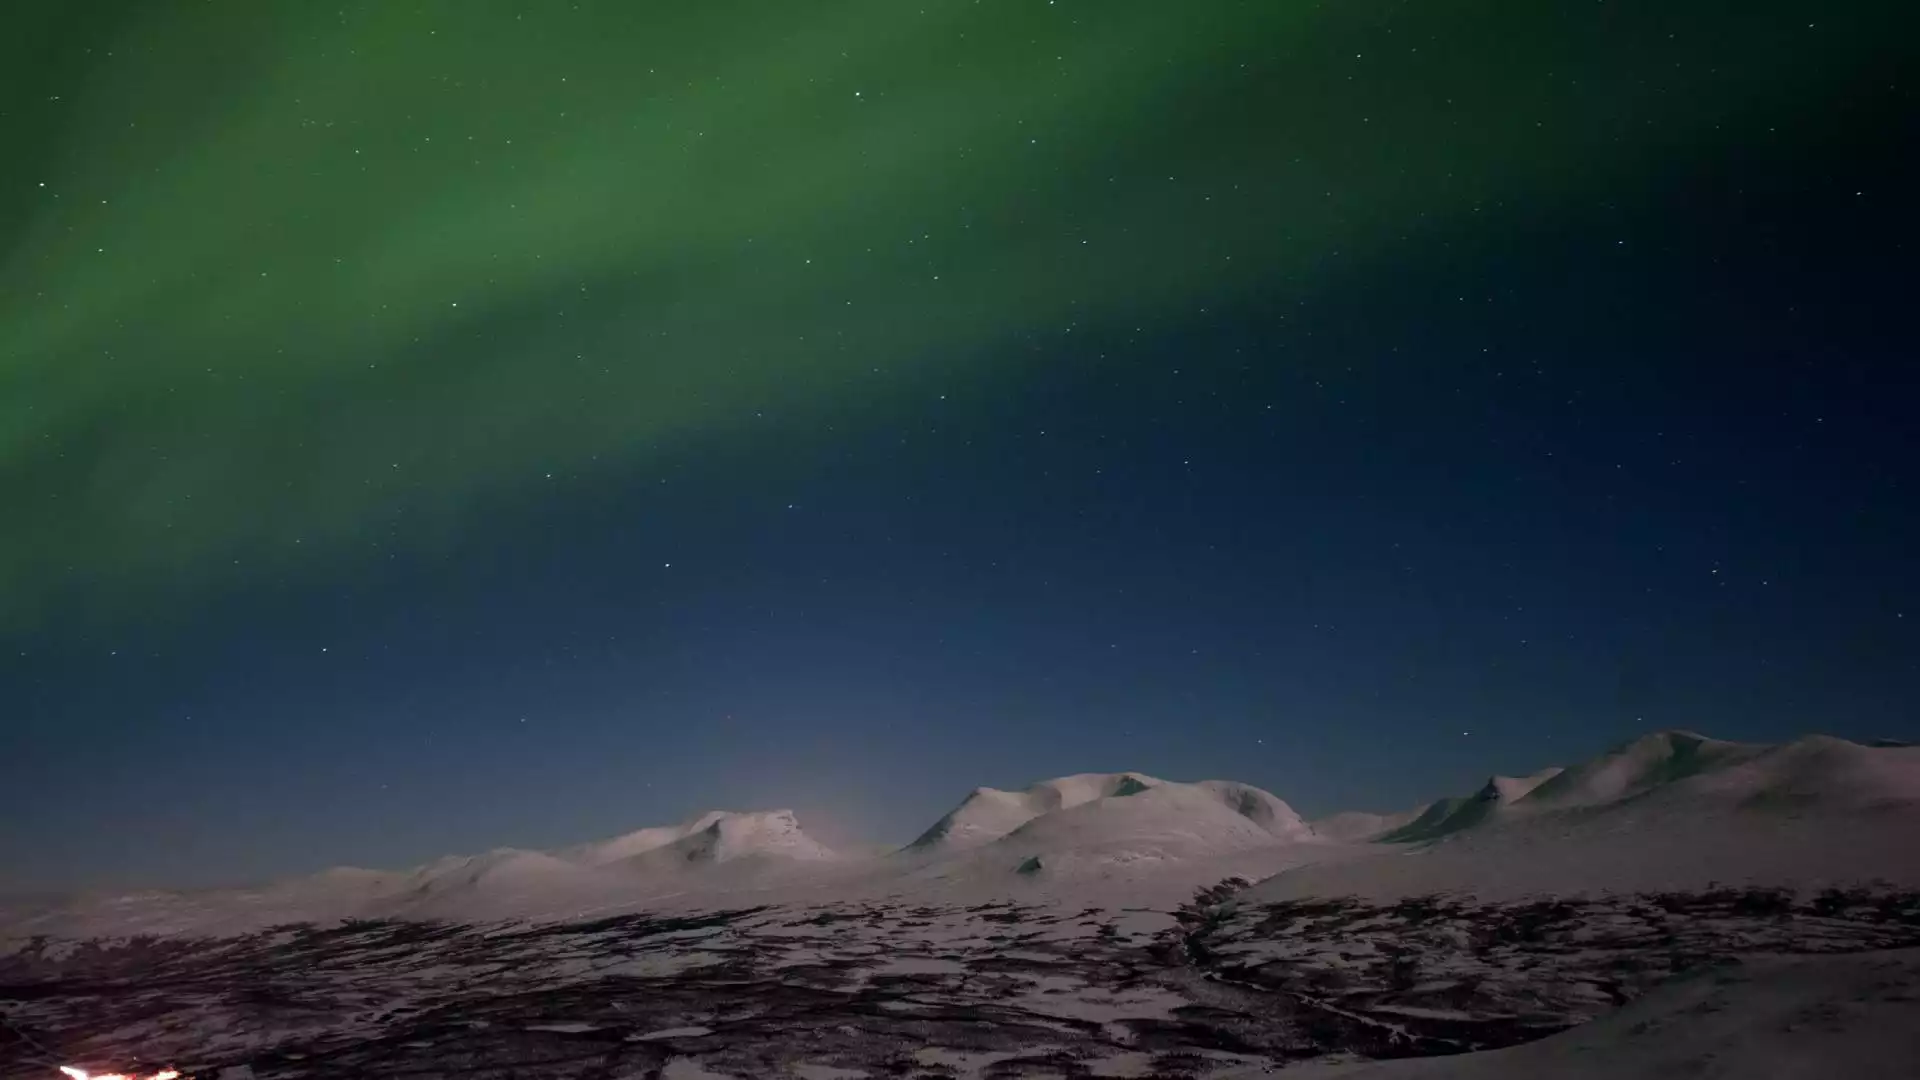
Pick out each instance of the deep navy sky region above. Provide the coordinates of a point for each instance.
(427, 429)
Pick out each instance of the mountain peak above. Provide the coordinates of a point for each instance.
(1511, 788)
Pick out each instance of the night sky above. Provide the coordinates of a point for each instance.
(438, 425)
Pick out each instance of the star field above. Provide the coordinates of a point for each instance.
(428, 427)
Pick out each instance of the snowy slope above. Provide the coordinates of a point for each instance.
(1358, 826)
(1817, 774)
(627, 845)
(324, 897)
(1497, 796)
(1168, 821)
(989, 813)
(1644, 765)
(1261, 807)
(1805, 1018)
(493, 885)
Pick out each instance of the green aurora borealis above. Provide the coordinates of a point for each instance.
(286, 286)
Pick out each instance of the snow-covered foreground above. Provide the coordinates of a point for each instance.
(1628, 916)
(1217, 987)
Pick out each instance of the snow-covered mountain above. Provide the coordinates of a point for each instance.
(1816, 774)
(989, 813)
(1105, 827)
(1165, 821)
(1444, 816)
(1672, 809)
(764, 836)
(993, 913)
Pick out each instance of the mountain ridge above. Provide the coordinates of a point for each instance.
(1639, 810)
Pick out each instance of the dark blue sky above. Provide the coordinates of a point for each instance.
(1532, 478)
